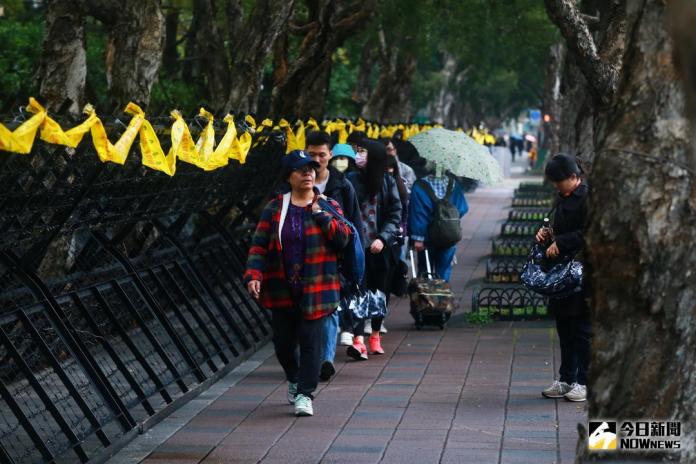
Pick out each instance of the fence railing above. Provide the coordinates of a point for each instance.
(120, 294)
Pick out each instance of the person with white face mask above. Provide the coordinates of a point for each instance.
(343, 158)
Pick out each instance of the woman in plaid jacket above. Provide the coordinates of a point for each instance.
(293, 270)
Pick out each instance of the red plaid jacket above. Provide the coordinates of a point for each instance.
(324, 236)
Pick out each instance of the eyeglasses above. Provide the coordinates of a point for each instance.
(305, 169)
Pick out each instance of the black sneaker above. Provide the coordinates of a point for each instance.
(327, 370)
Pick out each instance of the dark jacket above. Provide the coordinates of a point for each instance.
(388, 206)
(340, 189)
(568, 223)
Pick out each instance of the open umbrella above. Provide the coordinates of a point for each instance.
(458, 153)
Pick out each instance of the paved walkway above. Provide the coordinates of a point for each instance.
(463, 395)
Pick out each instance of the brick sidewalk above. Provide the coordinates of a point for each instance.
(462, 395)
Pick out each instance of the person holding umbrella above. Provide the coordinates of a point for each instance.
(437, 201)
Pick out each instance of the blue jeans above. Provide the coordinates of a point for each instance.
(440, 260)
(329, 338)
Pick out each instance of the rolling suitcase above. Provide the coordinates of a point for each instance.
(431, 298)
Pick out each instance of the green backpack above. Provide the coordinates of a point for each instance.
(445, 228)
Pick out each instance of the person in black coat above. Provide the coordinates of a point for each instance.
(332, 183)
(380, 206)
(572, 314)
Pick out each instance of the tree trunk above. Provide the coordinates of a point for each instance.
(301, 92)
(63, 68)
(170, 55)
(444, 108)
(253, 42)
(206, 54)
(552, 99)
(391, 98)
(134, 49)
(642, 226)
(361, 93)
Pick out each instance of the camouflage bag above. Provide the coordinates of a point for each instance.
(431, 298)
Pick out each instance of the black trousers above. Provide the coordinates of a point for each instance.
(298, 347)
(574, 333)
(378, 270)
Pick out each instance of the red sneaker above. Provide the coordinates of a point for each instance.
(357, 350)
(375, 344)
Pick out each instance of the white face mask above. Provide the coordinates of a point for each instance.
(340, 163)
(361, 159)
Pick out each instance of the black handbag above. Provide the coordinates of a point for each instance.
(555, 278)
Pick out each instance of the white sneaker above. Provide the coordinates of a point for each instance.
(346, 339)
(577, 393)
(556, 390)
(303, 406)
(368, 326)
(292, 392)
(383, 329)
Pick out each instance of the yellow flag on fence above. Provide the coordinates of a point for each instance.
(116, 153)
(22, 138)
(51, 132)
(300, 136)
(151, 151)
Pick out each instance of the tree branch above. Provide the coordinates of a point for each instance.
(602, 77)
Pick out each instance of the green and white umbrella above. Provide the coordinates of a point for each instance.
(459, 154)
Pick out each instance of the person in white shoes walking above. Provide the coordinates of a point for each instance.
(572, 315)
(292, 270)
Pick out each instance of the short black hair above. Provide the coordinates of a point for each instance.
(562, 167)
(356, 137)
(318, 138)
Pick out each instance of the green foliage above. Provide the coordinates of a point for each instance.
(478, 318)
(502, 45)
(168, 94)
(19, 58)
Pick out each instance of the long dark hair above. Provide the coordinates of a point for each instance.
(400, 186)
(376, 166)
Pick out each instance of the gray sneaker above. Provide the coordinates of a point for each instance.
(557, 390)
(303, 406)
(292, 392)
(577, 393)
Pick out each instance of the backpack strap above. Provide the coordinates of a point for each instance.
(450, 188)
(428, 190)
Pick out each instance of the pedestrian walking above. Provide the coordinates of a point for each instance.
(429, 198)
(292, 270)
(571, 313)
(332, 183)
(381, 217)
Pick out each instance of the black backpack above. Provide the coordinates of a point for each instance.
(445, 228)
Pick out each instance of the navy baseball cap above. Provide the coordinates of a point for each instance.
(297, 159)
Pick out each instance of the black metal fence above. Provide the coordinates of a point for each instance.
(120, 293)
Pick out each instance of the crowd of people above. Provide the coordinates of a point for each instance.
(333, 194)
(295, 253)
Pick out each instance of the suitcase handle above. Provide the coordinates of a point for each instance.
(429, 273)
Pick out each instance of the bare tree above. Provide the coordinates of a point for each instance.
(642, 227)
(301, 89)
(251, 43)
(63, 69)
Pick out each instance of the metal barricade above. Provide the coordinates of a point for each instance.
(120, 294)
